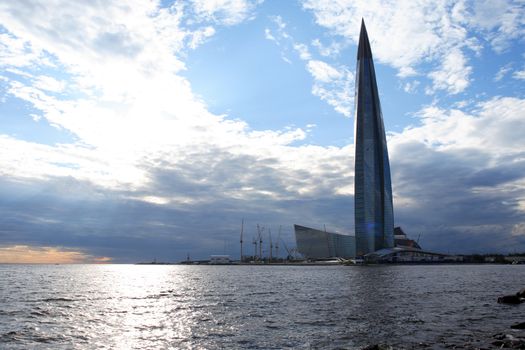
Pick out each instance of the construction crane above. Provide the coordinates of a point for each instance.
(260, 230)
(288, 251)
(242, 229)
(271, 245)
(277, 242)
(254, 242)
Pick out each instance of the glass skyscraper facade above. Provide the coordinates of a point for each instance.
(374, 214)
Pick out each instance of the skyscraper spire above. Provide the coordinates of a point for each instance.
(363, 50)
(374, 215)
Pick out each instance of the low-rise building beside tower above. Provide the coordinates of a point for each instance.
(316, 244)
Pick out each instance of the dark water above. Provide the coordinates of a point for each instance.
(250, 307)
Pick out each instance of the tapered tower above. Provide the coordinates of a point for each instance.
(374, 214)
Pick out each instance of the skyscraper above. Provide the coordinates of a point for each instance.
(374, 214)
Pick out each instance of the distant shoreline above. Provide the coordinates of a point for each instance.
(322, 264)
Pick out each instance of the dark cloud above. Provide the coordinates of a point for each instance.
(446, 197)
(454, 205)
(498, 175)
(105, 223)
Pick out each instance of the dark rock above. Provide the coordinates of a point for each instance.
(498, 343)
(520, 325)
(499, 336)
(510, 299)
(509, 341)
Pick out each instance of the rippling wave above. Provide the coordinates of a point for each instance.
(249, 307)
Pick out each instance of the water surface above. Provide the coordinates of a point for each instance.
(254, 307)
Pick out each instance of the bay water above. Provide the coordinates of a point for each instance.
(255, 307)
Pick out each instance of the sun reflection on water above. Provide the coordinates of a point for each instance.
(146, 304)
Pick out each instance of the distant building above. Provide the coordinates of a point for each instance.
(401, 239)
(402, 254)
(515, 259)
(490, 259)
(219, 259)
(407, 250)
(317, 244)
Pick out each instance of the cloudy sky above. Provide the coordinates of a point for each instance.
(134, 130)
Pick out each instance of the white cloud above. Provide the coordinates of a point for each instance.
(268, 35)
(282, 39)
(227, 12)
(462, 104)
(519, 75)
(36, 117)
(323, 72)
(496, 122)
(453, 76)
(501, 21)
(395, 40)
(328, 51)
(302, 49)
(335, 86)
(411, 86)
(437, 32)
(49, 84)
(286, 59)
(332, 85)
(280, 30)
(15, 52)
(200, 36)
(127, 105)
(108, 48)
(281, 26)
(502, 72)
(405, 72)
